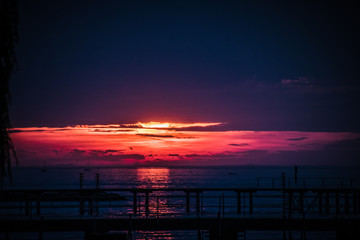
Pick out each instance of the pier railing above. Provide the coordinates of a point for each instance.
(172, 202)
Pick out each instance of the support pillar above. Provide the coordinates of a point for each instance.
(238, 202)
(197, 201)
(135, 203)
(187, 202)
(147, 203)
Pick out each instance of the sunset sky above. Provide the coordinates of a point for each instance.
(273, 83)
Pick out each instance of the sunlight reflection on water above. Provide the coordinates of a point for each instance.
(153, 177)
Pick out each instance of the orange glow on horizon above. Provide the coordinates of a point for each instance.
(163, 144)
(176, 125)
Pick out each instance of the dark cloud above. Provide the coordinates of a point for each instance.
(192, 155)
(126, 157)
(238, 144)
(174, 155)
(20, 131)
(77, 153)
(156, 135)
(112, 151)
(102, 153)
(296, 139)
(112, 130)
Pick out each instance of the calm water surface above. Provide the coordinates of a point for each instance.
(220, 177)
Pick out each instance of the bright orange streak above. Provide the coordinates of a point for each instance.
(154, 142)
(175, 125)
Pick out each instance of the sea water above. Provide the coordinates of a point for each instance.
(205, 177)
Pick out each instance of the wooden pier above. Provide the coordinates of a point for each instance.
(223, 212)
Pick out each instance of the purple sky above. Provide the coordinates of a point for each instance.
(258, 67)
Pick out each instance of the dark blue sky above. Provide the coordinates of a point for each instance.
(255, 66)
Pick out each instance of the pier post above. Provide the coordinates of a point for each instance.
(135, 203)
(147, 203)
(283, 183)
(91, 206)
(197, 201)
(320, 202)
(337, 203)
(82, 203)
(81, 180)
(223, 204)
(187, 202)
(296, 174)
(290, 194)
(354, 203)
(358, 200)
(327, 202)
(97, 180)
(302, 202)
(238, 202)
(157, 205)
(38, 206)
(27, 205)
(251, 207)
(347, 203)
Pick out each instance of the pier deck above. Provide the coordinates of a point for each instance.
(223, 212)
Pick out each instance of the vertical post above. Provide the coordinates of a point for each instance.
(157, 205)
(187, 202)
(147, 203)
(96, 202)
(337, 203)
(347, 203)
(81, 181)
(27, 205)
(238, 202)
(296, 174)
(197, 201)
(202, 203)
(302, 201)
(38, 206)
(358, 199)
(135, 203)
(219, 206)
(327, 202)
(97, 181)
(91, 206)
(354, 203)
(223, 204)
(283, 181)
(320, 202)
(290, 202)
(251, 202)
(81, 195)
(130, 228)
(244, 205)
